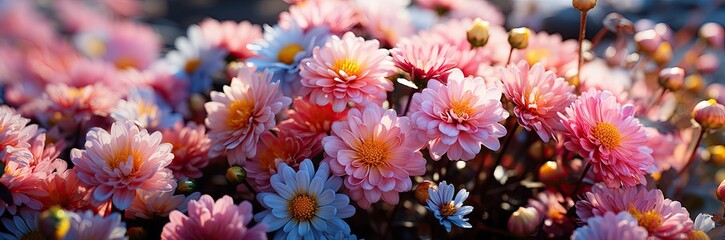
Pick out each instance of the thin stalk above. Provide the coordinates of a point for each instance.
(582, 28)
(600, 35)
(581, 180)
(510, 136)
(511, 52)
(692, 155)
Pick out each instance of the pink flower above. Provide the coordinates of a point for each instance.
(338, 16)
(14, 130)
(478, 9)
(552, 208)
(610, 137)
(551, 51)
(375, 152)
(457, 118)
(539, 97)
(213, 220)
(347, 69)
(190, 149)
(162, 79)
(132, 45)
(119, 162)
(611, 226)
(423, 60)
(89, 225)
(238, 116)
(24, 188)
(67, 191)
(663, 218)
(151, 204)
(273, 149)
(310, 121)
(386, 20)
(68, 106)
(666, 149)
(42, 159)
(231, 36)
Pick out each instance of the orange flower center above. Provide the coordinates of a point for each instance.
(350, 67)
(649, 220)
(607, 134)
(191, 65)
(462, 108)
(122, 155)
(147, 109)
(447, 209)
(74, 93)
(373, 152)
(240, 111)
(95, 47)
(535, 55)
(287, 53)
(127, 62)
(302, 207)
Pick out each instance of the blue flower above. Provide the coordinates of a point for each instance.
(446, 209)
(196, 59)
(146, 109)
(305, 204)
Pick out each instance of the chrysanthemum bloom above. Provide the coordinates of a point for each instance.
(231, 36)
(150, 204)
(422, 60)
(457, 118)
(610, 137)
(539, 96)
(24, 188)
(42, 161)
(146, 109)
(68, 106)
(66, 190)
(376, 153)
(160, 76)
(22, 226)
(446, 209)
(131, 45)
(272, 149)
(477, 9)
(190, 149)
(310, 121)
(238, 116)
(14, 130)
(663, 218)
(552, 209)
(347, 70)
(336, 15)
(283, 49)
(305, 203)
(386, 20)
(88, 225)
(665, 149)
(208, 219)
(196, 59)
(550, 50)
(119, 162)
(611, 226)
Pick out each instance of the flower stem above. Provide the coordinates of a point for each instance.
(511, 52)
(600, 35)
(581, 180)
(251, 189)
(692, 155)
(410, 99)
(582, 28)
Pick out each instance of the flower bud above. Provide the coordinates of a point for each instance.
(551, 173)
(709, 114)
(477, 34)
(421, 192)
(663, 54)
(519, 37)
(136, 233)
(712, 34)
(648, 41)
(584, 5)
(236, 175)
(524, 221)
(694, 83)
(717, 154)
(715, 91)
(672, 78)
(720, 192)
(54, 223)
(187, 186)
(615, 22)
(707, 63)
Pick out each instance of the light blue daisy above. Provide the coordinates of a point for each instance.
(146, 109)
(305, 204)
(196, 59)
(446, 209)
(282, 50)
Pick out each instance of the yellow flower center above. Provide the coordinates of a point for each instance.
(126, 62)
(239, 113)
(462, 108)
(350, 67)
(712, 101)
(607, 134)
(649, 220)
(302, 207)
(122, 155)
(447, 209)
(95, 47)
(147, 109)
(74, 93)
(535, 55)
(33, 235)
(191, 65)
(373, 152)
(287, 53)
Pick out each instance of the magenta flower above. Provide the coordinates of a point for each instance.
(310, 121)
(423, 60)
(208, 219)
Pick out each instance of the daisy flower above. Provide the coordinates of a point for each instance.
(209, 219)
(145, 109)
(190, 148)
(347, 70)
(423, 60)
(196, 59)
(611, 226)
(238, 116)
(550, 50)
(14, 130)
(231, 36)
(376, 153)
(310, 121)
(24, 188)
(305, 204)
(88, 225)
(445, 208)
(662, 218)
(610, 137)
(457, 118)
(538, 95)
(119, 162)
(283, 49)
(338, 16)
(151, 204)
(272, 149)
(24, 225)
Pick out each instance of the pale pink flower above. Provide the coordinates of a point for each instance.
(663, 218)
(231, 36)
(610, 137)
(132, 45)
(538, 95)
(423, 60)
(477, 9)
(17, 18)
(40, 157)
(664, 146)
(238, 116)
(89, 225)
(151, 204)
(190, 149)
(376, 153)
(207, 219)
(552, 208)
(68, 106)
(598, 75)
(24, 188)
(310, 121)
(441, 6)
(339, 16)
(386, 20)
(347, 70)
(67, 191)
(14, 130)
(118, 163)
(162, 79)
(611, 226)
(551, 50)
(457, 118)
(276, 148)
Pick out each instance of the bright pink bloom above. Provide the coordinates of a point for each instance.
(347, 69)
(24, 187)
(126, 159)
(539, 96)
(457, 118)
(423, 60)
(213, 220)
(310, 121)
(151, 204)
(611, 226)
(610, 137)
(276, 148)
(14, 131)
(238, 116)
(231, 36)
(190, 149)
(376, 153)
(67, 191)
(336, 15)
(551, 50)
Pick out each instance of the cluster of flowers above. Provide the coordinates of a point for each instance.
(342, 106)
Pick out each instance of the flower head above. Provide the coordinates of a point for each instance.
(146, 109)
(24, 225)
(423, 60)
(66, 190)
(386, 20)
(14, 130)
(196, 59)
(207, 219)
(611, 226)
(88, 225)
(552, 209)
(446, 209)
(310, 121)
(68, 106)
(550, 50)
(190, 148)
(272, 149)
(709, 114)
(150, 204)
(231, 36)
(336, 15)
(24, 188)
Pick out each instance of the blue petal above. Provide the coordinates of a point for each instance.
(303, 227)
(326, 212)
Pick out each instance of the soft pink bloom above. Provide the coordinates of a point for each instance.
(72, 105)
(124, 8)
(75, 15)
(231, 36)
(190, 149)
(122, 161)
(339, 16)
(151, 204)
(610, 137)
(24, 187)
(552, 208)
(207, 219)
(20, 21)
(611, 226)
(89, 225)
(477, 9)
(238, 116)
(67, 191)
(376, 153)
(538, 95)
(162, 79)
(598, 75)
(385, 20)
(457, 118)
(551, 50)
(14, 131)
(347, 70)
(443, 6)
(40, 157)
(663, 218)
(132, 45)
(423, 60)
(310, 121)
(275, 148)
(666, 148)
